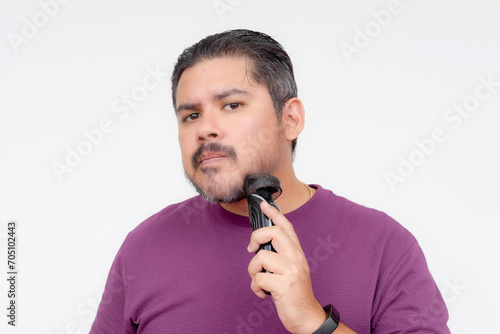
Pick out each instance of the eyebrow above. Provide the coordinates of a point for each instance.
(234, 91)
(186, 106)
(216, 97)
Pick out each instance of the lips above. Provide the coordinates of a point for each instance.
(212, 152)
(209, 156)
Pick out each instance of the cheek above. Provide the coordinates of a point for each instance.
(246, 131)
(187, 151)
(186, 161)
(262, 136)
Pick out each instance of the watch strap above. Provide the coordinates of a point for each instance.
(332, 321)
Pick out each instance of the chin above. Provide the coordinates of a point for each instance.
(228, 196)
(216, 188)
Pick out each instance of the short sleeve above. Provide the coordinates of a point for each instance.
(409, 300)
(111, 313)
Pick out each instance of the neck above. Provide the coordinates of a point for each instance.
(295, 194)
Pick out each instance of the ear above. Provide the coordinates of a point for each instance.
(293, 118)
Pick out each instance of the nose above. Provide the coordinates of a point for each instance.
(209, 127)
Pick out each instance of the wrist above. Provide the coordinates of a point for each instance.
(313, 320)
(319, 318)
(331, 323)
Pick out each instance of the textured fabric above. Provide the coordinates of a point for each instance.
(184, 270)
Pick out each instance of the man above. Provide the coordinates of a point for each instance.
(338, 267)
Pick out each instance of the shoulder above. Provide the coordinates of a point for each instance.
(362, 224)
(168, 220)
(355, 215)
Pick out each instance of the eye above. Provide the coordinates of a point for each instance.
(191, 117)
(231, 106)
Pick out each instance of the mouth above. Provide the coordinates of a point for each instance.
(211, 154)
(210, 157)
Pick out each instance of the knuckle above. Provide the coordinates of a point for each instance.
(254, 285)
(294, 271)
(252, 267)
(290, 282)
(250, 270)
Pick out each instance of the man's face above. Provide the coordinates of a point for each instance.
(228, 128)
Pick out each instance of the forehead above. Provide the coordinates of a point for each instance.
(210, 76)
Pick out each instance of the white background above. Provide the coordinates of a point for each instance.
(362, 116)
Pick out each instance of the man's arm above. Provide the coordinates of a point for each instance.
(407, 299)
(290, 283)
(110, 315)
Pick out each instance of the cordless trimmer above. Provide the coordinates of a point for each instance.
(259, 188)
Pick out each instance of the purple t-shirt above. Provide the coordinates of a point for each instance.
(184, 270)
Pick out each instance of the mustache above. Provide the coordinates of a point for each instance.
(215, 148)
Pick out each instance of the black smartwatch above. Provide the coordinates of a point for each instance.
(332, 321)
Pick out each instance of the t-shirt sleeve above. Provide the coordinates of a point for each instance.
(409, 300)
(110, 316)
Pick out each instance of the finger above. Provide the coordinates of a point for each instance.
(268, 282)
(270, 261)
(256, 288)
(276, 235)
(279, 220)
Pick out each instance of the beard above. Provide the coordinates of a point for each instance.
(227, 186)
(216, 191)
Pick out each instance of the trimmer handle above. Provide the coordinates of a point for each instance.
(258, 188)
(258, 219)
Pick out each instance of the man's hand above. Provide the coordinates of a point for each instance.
(290, 281)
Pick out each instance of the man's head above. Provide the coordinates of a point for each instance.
(234, 96)
(269, 64)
